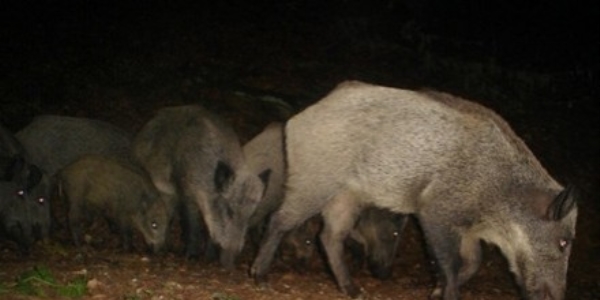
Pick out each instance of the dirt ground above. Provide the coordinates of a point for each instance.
(120, 67)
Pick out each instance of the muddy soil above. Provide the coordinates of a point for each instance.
(120, 64)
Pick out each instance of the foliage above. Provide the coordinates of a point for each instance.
(40, 282)
(3, 288)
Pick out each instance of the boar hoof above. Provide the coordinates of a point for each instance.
(352, 291)
(437, 293)
(261, 282)
(192, 256)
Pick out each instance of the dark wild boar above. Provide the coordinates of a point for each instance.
(375, 240)
(300, 245)
(453, 164)
(99, 186)
(15, 224)
(195, 159)
(30, 216)
(53, 142)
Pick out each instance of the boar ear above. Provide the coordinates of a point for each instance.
(223, 176)
(562, 204)
(35, 176)
(264, 177)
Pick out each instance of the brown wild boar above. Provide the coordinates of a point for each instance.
(97, 186)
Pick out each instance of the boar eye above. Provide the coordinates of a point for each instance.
(563, 244)
(308, 242)
(396, 233)
(154, 225)
(21, 193)
(41, 200)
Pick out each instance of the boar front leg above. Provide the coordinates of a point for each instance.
(444, 245)
(126, 239)
(470, 253)
(288, 217)
(339, 218)
(191, 228)
(278, 226)
(75, 224)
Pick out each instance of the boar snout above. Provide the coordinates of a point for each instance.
(547, 291)
(156, 248)
(37, 231)
(21, 236)
(380, 271)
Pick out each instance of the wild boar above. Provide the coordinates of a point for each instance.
(30, 217)
(377, 231)
(265, 152)
(53, 142)
(300, 245)
(118, 191)
(15, 222)
(26, 212)
(195, 159)
(375, 239)
(455, 165)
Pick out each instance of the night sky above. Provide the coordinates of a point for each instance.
(546, 34)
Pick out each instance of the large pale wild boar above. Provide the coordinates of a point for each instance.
(53, 142)
(455, 165)
(97, 186)
(377, 233)
(195, 159)
(28, 219)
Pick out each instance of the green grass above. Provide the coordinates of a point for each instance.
(40, 282)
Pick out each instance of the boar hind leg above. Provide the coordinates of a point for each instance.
(444, 245)
(339, 218)
(470, 253)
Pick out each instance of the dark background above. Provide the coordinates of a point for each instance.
(534, 62)
(42, 41)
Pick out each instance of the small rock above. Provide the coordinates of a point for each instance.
(80, 272)
(93, 283)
